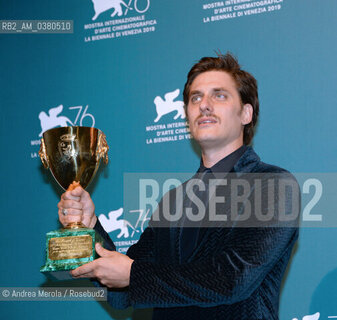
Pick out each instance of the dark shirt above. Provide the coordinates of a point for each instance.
(226, 164)
(189, 235)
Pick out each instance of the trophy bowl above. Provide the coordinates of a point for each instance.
(72, 154)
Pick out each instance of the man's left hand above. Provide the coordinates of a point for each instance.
(112, 269)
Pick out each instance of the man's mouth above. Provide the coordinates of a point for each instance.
(206, 120)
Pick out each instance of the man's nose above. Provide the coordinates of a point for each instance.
(206, 105)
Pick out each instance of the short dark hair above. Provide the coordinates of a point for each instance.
(246, 85)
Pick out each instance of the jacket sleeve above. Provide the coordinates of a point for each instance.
(107, 242)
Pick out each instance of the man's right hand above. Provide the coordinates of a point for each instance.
(78, 206)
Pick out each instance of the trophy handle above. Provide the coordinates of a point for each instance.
(43, 154)
(102, 149)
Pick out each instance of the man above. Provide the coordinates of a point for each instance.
(200, 273)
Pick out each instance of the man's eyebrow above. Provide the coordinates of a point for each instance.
(220, 89)
(195, 92)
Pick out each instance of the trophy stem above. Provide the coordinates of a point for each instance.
(75, 225)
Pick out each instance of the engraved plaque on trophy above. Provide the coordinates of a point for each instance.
(71, 154)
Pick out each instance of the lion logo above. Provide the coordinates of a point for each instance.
(52, 119)
(101, 6)
(168, 105)
(310, 317)
(113, 223)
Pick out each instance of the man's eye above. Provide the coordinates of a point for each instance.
(195, 99)
(221, 96)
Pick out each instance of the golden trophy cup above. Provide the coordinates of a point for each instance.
(71, 154)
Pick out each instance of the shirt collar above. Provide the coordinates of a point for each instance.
(226, 164)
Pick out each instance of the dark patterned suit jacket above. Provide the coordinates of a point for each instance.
(233, 273)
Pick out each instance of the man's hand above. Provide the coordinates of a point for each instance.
(112, 269)
(79, 207)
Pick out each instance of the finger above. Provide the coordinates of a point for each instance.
(72, 215)
(83, 275)
(70, 204)
(87, 270)
(69, 196)
(78, 192)
(71, 212)
(103, 252)
(62, 219)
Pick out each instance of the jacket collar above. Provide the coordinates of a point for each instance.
(247, 162)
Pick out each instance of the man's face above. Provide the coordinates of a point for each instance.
(215, 113)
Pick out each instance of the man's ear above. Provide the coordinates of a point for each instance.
(247, 114)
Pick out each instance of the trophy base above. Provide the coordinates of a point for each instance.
(67, 249)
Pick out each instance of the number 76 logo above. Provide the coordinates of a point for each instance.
(54, 119)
